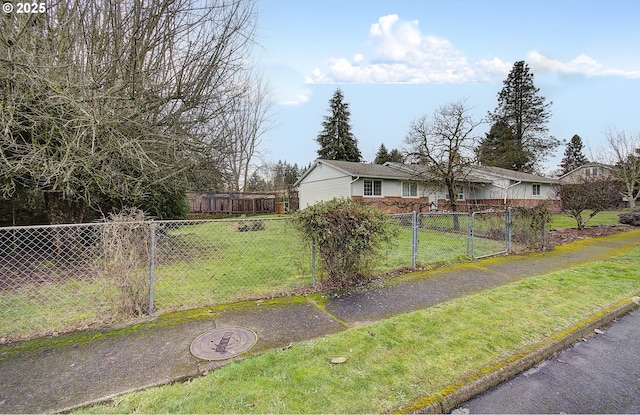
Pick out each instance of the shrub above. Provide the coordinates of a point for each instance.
(529, 225)
(347, 236)
(630, 218)
(126, 252)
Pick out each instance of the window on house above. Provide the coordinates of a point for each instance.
(373, 187)
(536, 190)
(459, 194)
(409, 189)
(593, 172)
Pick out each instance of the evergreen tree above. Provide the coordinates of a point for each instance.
(291, 173)
(256, 183)
(500, 148)
(382, 156)
(336, 140)
(526, 113)
(395, 156)
(285, 173)
(573, 156)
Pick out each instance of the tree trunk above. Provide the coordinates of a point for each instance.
(453, 203)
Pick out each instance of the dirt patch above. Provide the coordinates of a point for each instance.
(563, 236)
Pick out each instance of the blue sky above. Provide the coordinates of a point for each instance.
(398, 60)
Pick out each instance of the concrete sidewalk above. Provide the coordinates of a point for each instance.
(57, 374)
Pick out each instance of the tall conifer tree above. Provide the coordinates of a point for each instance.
(336, 140)
(526, 113)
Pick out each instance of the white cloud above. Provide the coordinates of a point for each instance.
(293, 99)
(581, 65)
(401, 53)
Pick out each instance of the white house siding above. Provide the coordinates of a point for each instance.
(501, 190)
(504, 191)
(323, 183)
(525, 191)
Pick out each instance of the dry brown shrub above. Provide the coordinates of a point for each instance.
(125, 245)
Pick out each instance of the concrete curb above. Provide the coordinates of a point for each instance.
(489, 377)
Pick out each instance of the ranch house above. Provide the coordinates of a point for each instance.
(404, 187)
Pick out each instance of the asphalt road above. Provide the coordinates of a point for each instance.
(598, 375)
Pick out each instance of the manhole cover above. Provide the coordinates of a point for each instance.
(223, 343)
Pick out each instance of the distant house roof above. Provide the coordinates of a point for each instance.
(586, 166)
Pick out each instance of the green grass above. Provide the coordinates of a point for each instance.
(42, 309)
(608, 218)
(227, 265)
(396, 362)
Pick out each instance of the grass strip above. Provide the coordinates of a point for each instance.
(396, 361)
(604, 218)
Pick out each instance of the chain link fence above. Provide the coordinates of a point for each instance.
(60, 278)
(70, 277)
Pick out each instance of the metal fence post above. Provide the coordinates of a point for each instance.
(152, 261)
(414, 239)
(509, 228)
(470, 218)
(313, 264)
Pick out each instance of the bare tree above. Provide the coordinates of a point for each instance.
(444, 143)
(104, 101)
(593, 193)
(623, 153)
(242, 130)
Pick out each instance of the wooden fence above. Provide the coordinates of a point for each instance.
(239, 203)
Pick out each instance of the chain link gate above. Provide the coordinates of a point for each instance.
(490, 233)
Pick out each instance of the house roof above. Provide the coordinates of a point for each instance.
(397, 171)
(367, 170)
(422, 172)
(513, 175)
(587, 165)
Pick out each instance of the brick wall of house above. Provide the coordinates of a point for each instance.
(465, 205)
(395, 204)
(406, 205)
